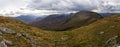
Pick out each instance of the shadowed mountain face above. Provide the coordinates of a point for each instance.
(26, 18)
(29, 18)
(107, 14)
(65, 22)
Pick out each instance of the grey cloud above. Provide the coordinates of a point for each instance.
(76, 5)
(60, 4)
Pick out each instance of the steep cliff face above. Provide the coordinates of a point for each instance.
(62, 22)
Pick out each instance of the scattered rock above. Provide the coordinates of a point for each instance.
(18, 35)
(111, 42)
(2, 44)
(118, 45)
(6, 30)
(1, 33)
(31, 40)
(25, 34)
(8, 42)
(1, 37)
(102, 32)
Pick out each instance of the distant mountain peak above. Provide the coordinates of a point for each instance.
(63, 22)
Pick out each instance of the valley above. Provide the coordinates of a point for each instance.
(103, 32)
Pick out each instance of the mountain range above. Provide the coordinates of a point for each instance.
(64, 22)
(102, 32)
(29, 18)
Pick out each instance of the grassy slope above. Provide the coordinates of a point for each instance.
(38, 35)
(87, 36)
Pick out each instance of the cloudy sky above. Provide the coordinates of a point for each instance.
(46, 7)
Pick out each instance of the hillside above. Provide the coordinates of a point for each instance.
(67, 22)
(14, 33)
(26, 18)
(102, 33)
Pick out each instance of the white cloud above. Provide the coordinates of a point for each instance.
(8, 7)
(43, 7)
(12, 4)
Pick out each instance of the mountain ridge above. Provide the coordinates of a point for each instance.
(63, 22)
(101, 33)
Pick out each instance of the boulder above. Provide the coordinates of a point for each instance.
(7, 42)
(6, 30)
(2, 44)
(18, 35)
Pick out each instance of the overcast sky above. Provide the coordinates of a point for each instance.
(9, 7)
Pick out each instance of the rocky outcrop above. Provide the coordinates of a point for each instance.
(112, 42)
(63, 22)
(2, 44)
(6, 30)
(5, 43)
(30, 39)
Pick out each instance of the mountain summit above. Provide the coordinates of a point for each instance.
(63, 22)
